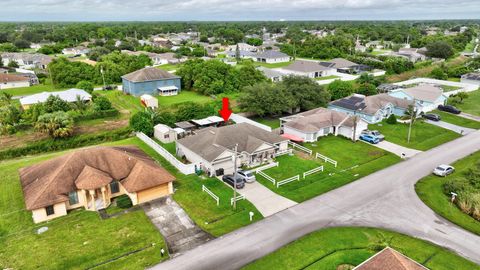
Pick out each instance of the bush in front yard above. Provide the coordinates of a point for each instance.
(124, 202)
(392, 120)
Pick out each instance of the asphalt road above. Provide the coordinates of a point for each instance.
(385, 199)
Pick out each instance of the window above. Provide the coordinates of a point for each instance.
(114, 187)
(50, 210)
(166, 136)
(73, 197)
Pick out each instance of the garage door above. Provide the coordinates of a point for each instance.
(227, 167)
(152, 193)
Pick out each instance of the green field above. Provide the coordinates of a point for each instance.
(424, 136)
(471, 104)
(273, 65)
(355, 160)
(328, 249)
(430, 190)
(169, 67)
(183, 96)
(123, 103)
(458, 120)
(271, 122)
(24, 91)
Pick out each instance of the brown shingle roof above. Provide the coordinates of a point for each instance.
(390, 259)
(5, 78)
(50, 182)
(91, 178)
(148, 74)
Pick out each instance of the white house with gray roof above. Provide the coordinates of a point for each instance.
(309, 69)
(69, 95)
(27, 60)
(213, 147)
(427, 97)
(272, 74)
(270, 57)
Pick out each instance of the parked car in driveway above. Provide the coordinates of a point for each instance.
(449, 108)
(229, 179)
(443, 170)
(247, 176)
(369, 138)
(432, 116)
(374, 133)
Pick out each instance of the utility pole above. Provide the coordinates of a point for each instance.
(355, 120)
(235, 177)
(412, 117)
(103, 77)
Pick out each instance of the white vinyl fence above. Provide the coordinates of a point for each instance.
(266, 176)
(302, 148)
(268, 166)
(288, 180)
(236, 199)
(318, 169)
(182, 167)
(215, 197)
(326, 159)
(283, 152)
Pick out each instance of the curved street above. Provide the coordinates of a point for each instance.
(385, 199)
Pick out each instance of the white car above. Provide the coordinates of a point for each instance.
(443, 170)
(248, 176)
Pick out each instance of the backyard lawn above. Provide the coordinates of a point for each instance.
(355, 160)
(123, 103)
(183, 96)
(334, 248)
(271, 122)
(430, 190)
(24, 91)
(168, 67)
(273, 65)
(458, 120)
(424, 136)
(471, 104)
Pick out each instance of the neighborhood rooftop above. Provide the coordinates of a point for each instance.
(148, 74)
(338, 63)
(6, 78)
(389, 259)
(370, 104)
(427, 92)
(67, 95)
(316, 119)
(306, 66)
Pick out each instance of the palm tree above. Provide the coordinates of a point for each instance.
(79, 104)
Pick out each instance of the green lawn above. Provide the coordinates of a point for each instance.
(24, 91)
(123, 102)
(471, 104)
(448, 88)
(184, 96)
(273, 65)
(355, 160)
(168, 67)
(329, 248)
(327, 78)
(424, 136)
(430, 190)
(271, 122)
(457, 120)
(77, 241)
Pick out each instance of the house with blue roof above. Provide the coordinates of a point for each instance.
(152, 81)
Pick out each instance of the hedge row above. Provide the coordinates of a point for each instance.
(95, 115)
(50, 145)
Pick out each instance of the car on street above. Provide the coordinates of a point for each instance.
(247, 176)
(443, 170)
(229, 179)
(374, 133)
(432, 116)
(449, 108)
(369, 138)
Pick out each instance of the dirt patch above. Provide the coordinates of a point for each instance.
(375, 153)
(104, 126)
(13, 141)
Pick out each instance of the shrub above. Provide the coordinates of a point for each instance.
(142, 122)
(455, 185)
(50, 145)
(57, 124)
(94, 115)
(124, 201)
(392, 120)
(85, 85)
(102, 103)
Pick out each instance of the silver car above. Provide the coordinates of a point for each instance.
(248, 176)
(443, 170)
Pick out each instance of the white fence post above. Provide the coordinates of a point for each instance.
(304, 149)
(215, 197)
(326, 159)
(288, 180)
(312, 171)
(183, 168)
(236, 199)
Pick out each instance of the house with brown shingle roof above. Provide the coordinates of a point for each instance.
(13, 81)
(310, 125)
(390, 259)
(90, 178)
(213, 147)
(372, 109)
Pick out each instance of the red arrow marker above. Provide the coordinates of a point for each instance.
(225, 112)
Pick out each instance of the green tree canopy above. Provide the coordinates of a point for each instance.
(339, 89)
(57, 124)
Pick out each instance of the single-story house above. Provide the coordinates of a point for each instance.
(272, 74)
(345, 66)
(310, 125)
(89, 178)
(13, 81)
(155, 57)
(427, 97)
(152, 81)
(170, 58)
(372, 109)
(412, 54)
(309, 69)
(242, 54)
(79, 50)
(164, 133)
(213, 148)
(69, 95)
(472, 78)
(271, 56)
(149, 101)
(27, 60)
(390, 259)
(242, 47)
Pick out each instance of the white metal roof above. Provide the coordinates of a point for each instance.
(179, 130)
(167, 88)
(207, 121)
(69, 95)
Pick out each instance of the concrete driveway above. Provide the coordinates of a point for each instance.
(385, 199)
(452, 127)
(397, 149)
(469, 116)
(265, 200)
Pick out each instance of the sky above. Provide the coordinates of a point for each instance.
(236, 10)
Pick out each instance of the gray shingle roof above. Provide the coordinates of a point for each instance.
(316, 119)
(338, 63)
(271, 54)
(370, 104)
(306, 66)
(209, 143)
(425, 92)
(148, 74)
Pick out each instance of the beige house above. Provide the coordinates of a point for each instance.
(13, 81)
(89, 178)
